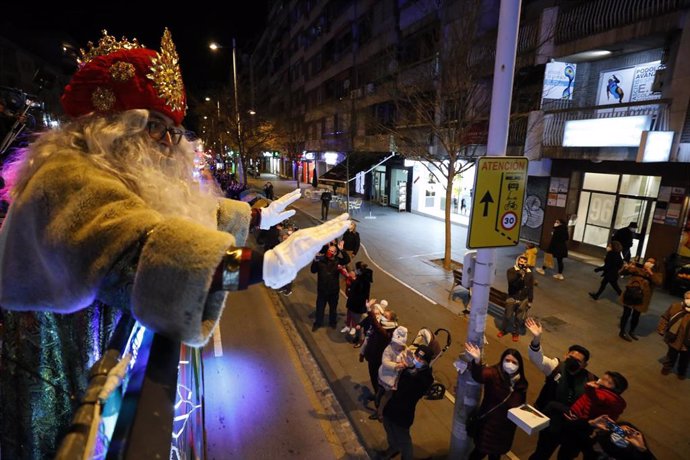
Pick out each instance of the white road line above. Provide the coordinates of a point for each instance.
(450, 397)
(217, 344)
(397, 279)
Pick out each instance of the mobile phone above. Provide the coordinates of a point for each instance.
(615, 429)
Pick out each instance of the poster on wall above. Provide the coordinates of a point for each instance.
(669, 205)
(402, 196)
(533, 208)
(615, 86)
(628, 84)
(559, 81)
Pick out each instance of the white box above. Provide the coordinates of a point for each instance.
(529, 419)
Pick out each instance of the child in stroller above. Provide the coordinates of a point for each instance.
(426, 337)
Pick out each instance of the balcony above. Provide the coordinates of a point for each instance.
(598, 16)
(554, 120)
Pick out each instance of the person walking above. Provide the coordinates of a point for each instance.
(505, 387)
(357, 296)
(613, 262)
(268, 190)
(351, 241)
(326, 198)
(520, 297)
(637, 295)
(558, 248)
(674, 326)
(327, 267)
(625, 237)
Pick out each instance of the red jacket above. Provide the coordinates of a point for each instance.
(598, 401)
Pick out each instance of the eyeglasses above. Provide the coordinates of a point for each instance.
(157, 130)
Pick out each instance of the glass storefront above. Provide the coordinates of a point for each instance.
(612, 201)
(398, 176)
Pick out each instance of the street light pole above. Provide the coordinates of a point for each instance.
(237, 113)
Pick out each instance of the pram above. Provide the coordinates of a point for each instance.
(426, 337)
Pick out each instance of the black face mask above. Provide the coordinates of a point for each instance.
(572, 365)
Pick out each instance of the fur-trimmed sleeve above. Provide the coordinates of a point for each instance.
(234, 217)
(72, 223)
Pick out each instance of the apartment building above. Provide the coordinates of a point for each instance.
(600, 107)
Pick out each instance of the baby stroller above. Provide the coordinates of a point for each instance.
(426, 337)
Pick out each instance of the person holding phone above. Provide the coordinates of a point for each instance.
(620, 441)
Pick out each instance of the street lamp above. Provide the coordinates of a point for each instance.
(214, 47)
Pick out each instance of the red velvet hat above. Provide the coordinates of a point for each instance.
(122, 75)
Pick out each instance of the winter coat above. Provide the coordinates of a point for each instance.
(388, 371)
(358, 292)
(495, 434)
(520, 284)
(682, 339)
(639, 276)
(328, 273)
(624, 236)
(412, 387)
(531, 254)
(351, 241)
(377, 341)
(557, 245)
(598, 401)
(613, 262)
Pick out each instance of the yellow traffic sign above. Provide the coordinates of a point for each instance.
(499, 191)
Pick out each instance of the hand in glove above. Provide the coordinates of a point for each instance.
(282, 263)
(275, 212)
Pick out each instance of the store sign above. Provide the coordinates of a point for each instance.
(331, 158)
(655, 146)
(559, 81)
(497, 205)
(309, 156)
(606, 132)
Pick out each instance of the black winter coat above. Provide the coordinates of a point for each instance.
(328, 274)
(411, 388)
(612, 265)
(358, 293)
(559, 238)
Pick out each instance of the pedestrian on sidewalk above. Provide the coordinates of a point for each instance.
(505, 387)
(393, 361)
(558, 248)
(674, 326)
(327, 267)
(357, 296)
(398, 415)
(637, 295)
(520, 297)
(268, 190)
(326, 198)
(610, 271)
(351, 241)
(565, 383)
(463, 206)
(377, 339)
(625, 237)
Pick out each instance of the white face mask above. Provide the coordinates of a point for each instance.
(509, 367)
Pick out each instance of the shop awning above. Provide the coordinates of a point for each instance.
(359, 162)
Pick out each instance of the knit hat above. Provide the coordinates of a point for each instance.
(400, 336)
(379, 308)
(384, 303)
(115, 76)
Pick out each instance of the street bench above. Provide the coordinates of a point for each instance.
(497, 298)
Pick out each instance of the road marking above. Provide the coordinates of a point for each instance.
(217, 343)
(397, 279)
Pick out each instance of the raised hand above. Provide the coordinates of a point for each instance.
(282, 263)
(474, 351)
(275, 212)
(534, 327)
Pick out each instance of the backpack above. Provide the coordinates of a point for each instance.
(634, 293)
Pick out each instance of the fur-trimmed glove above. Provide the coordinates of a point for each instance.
(282, 263)
(275, 212)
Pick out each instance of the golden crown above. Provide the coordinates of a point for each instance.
(106, 45)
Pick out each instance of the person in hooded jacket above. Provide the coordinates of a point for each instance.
(557, 247)
(357, 296)
(378, 338)
(613, 262)
(505, 387)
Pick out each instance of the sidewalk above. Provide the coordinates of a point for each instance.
(403, 244)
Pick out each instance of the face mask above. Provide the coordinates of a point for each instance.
(418, 364)
(572, 365)
(509, 367)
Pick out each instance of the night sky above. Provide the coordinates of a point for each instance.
(42, 28)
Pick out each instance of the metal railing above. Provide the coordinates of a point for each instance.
(598, 16)
(136, 417)
(554, 121)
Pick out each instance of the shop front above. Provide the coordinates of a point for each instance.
(429, 196)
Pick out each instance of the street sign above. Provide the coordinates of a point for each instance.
(499, 187)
